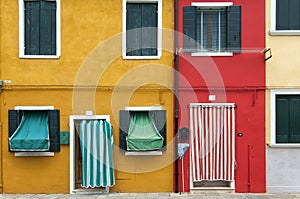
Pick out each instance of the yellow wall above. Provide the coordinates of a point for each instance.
(85, 25)
(283, 68)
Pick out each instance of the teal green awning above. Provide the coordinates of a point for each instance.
(32, 133)
(142, 133)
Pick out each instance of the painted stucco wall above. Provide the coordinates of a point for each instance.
(238, 79)
(105, 83)
(282, 72)
(283, 68)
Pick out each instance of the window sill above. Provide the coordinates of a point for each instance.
(284, 145)
(32, 154)
(143, 153)
(39, 56)
(284, 32)
(212, 54)
(141, 57)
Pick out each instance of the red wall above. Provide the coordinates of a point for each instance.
(238, 79)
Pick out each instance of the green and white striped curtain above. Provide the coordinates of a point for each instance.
(96, 145)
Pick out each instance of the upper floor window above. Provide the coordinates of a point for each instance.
(142, 25)
(39, 28)
(285, 17)
(212, 28)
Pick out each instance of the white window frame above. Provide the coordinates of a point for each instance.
(159, 29)
(72, 143)
(273, 30)
(216, 5)
(22, 34)
(34, 153)
(275, 92)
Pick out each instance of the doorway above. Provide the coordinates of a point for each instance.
(86, 163)
(212, 159)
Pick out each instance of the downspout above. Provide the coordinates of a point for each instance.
(176, 115)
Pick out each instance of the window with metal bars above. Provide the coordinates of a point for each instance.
(212, 29)
(211, 34)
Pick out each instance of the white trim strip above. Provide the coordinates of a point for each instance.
(34, 107)
(212, 4)
(211, 104)
(284, 145)
(212, 54)
(143, 153)
(284, 32)
(28, 154)
(273, 15)
(142, 108)
(141, 57)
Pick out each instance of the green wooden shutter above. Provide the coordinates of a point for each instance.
(54, 130)
(123, 129)
(13, 121)
(294, 108)
(282, 119)
(141, 42)
(133, 25)
(287, 15)
(234, 29)
(294, 15)
(48, 28)
(32, 29)
(189, 28)
(159, 118)
(40, 27)
(149, 31)
(282, 14)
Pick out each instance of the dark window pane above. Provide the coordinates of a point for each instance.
(287, 15)
(282, 119)
(141, 26)
(211, 30)
(32, 27)
(40, 27)
(294, 119)
(287, 119)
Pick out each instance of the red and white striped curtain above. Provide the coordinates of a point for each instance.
(212, 141)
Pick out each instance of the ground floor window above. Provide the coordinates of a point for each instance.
(287, 118)
(142, 129)
(34, 129)
(285, 115)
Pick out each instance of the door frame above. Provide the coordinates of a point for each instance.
(231, 184)
(72, 142)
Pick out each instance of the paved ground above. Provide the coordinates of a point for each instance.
(154, 195)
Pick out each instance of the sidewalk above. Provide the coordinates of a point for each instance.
(153, 195)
